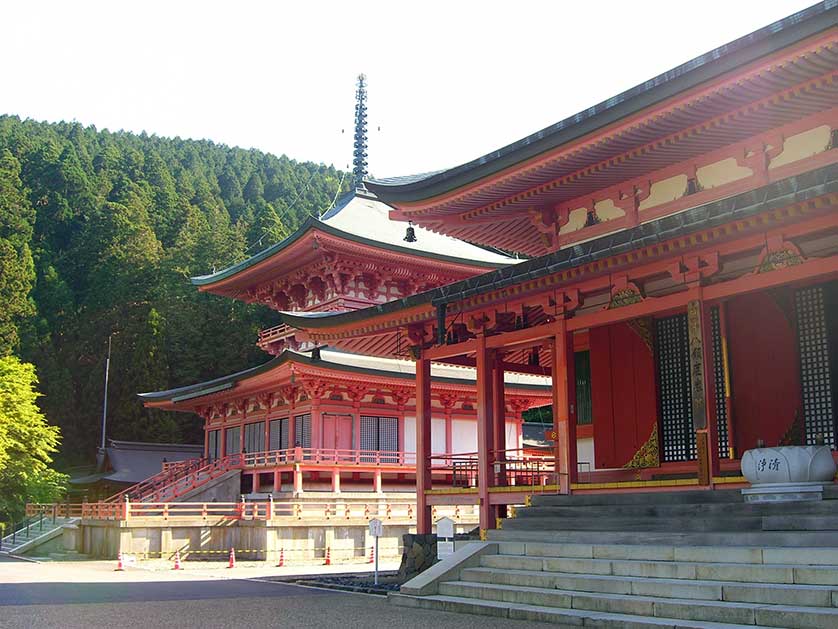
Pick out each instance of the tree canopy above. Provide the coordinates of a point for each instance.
(99, 233)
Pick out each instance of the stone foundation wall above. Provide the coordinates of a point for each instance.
(419, 553)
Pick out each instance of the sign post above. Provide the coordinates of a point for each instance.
(376, 530)
(445, 538)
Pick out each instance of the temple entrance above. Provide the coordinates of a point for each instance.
(337, 432)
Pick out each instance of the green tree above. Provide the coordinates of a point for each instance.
(27, 442)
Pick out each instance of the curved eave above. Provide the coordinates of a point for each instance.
(779, 194)
(192, 392)
(315, 225)
(706, 67)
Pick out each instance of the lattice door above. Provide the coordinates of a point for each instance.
(815, 368)
(278, 434)
(302, 430)
(673, 358)
(720, 381)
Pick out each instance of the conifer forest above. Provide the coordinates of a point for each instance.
(99, 234)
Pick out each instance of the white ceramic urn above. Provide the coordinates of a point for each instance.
(788, 464)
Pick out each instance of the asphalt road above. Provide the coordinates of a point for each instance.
(91, 594)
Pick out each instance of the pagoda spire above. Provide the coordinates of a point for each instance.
(359, 155)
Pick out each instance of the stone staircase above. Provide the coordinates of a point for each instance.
(688, 559)
(32, 533)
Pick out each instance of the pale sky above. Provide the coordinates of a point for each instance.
(448, 81)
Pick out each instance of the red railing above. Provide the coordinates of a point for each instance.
(169, 474)
(191, 479)
(328, 456)
(55, 510)
(509, 467)
(265, 510)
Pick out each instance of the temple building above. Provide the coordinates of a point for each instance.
(683, 284)
(319, 418)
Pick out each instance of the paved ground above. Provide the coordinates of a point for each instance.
(91, 594)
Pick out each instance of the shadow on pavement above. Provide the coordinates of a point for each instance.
(62, 593)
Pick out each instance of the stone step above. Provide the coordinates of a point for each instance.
(731, 591)
(564, 617)
(598, 523)
(813, 508)
(750, 573)
(648, 606)
(697, 554)
(639, 498)
(788, 539)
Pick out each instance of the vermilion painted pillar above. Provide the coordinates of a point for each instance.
(206, 441)
(499, 417)
(423, 445)
(336, 481)
(485, 432)
(241, 430)
(564, 407)
(298, 480)
(449, 432)
(703, 389)
(267, 443)
(277, 481)
(376, 481)
(356, 425)
(316, 425)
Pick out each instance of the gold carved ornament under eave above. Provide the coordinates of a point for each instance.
(624, 297)
(782, 259)
(643, 328)
(648, 455)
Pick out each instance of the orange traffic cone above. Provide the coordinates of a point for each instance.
(232, 563)
(281, 562)
(372, 554)
(328, 561)
(119, 566)
(177, 561)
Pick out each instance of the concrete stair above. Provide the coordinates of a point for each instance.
(695, 559)
(27, 537)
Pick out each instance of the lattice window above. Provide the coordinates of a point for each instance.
(278, 434)
(677, 435)
(584, 406)
(232, 440)
(254, 437)
(302, 430)
(720, 382)
(815, 369)
(213, 444)
(380, 434)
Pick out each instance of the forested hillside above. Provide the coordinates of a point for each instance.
(99, 233)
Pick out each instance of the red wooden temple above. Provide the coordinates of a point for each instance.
(683, 284)
(315, 418)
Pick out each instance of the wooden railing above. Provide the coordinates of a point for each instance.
(53, 510)
(509, 467)
(328, 456)
(266, 510)
(170, 473)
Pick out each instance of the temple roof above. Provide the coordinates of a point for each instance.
(708, 66)
(360, 218)
(779, 194)
(347, 363)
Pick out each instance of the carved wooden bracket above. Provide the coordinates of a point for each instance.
(623, 293)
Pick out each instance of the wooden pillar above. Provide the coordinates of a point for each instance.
(277, 481)
(449, 432)
(241, 429)
(356, 424)
(223, 447)
(702, 388)
(376, 482)
(485, 432)
(731, 437)
(267, 444)
(424, 524)
(298, 480)
(316, 424)
(564, 407)
(336, 481)
(499, 417)
(206, 440)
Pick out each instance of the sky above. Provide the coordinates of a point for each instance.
(449, 81)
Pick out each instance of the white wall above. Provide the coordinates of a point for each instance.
(464, 435)
(410, 434)
(585, 452)
(438, 436)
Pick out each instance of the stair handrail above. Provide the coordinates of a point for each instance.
(143, 489)
(193, 479)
